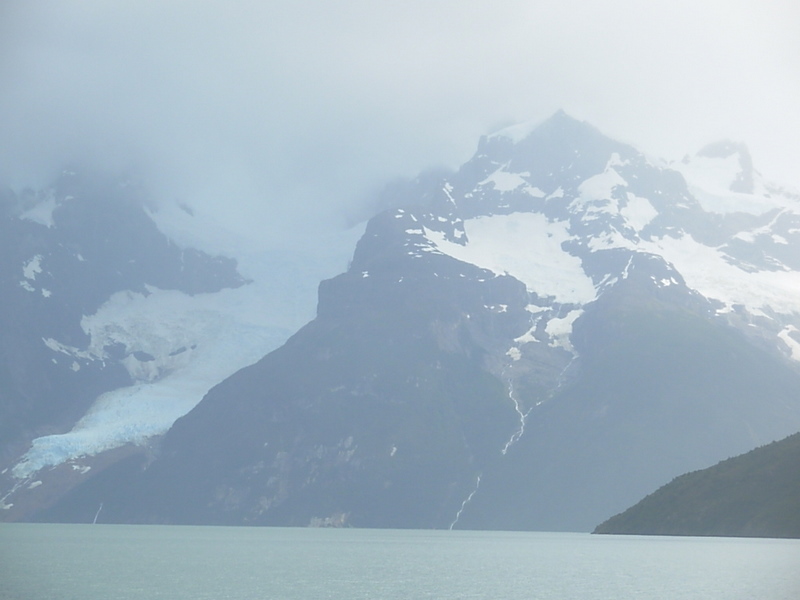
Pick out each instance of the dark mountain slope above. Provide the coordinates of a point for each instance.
(658, 387)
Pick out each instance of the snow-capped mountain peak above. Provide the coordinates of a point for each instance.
(549, 203)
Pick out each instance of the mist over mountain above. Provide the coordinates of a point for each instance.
(533, 341)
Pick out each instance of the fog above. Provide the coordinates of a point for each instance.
(267, 115)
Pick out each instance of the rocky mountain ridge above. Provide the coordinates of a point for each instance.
(534, 341)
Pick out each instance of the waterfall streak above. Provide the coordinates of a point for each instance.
(465, 502)
(523, 416)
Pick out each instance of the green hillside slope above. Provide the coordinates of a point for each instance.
(756, 494)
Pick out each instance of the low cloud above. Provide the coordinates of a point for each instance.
(269, 114)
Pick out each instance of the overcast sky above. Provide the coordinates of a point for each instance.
(273, 109)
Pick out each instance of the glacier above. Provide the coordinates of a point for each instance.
(189, 343)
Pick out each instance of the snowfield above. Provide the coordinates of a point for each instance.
(528, 247)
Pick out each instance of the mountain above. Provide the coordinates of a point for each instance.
(110, 330)
(534, 341)
(756, 494)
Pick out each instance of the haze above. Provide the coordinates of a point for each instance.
(269, 115)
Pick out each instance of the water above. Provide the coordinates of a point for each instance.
(127, 562)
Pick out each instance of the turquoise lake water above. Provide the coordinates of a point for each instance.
(127, 562)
